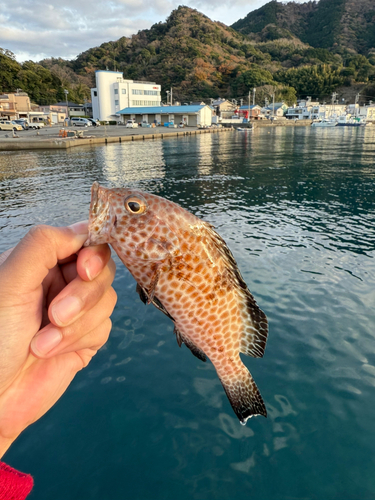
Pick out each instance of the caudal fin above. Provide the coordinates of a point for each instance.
(243, 395)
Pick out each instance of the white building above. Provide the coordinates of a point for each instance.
(112, 93)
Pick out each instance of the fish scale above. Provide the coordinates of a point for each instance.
(184, 267)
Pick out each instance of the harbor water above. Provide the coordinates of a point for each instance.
(146, 420)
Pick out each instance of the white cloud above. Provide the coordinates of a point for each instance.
(35, 29)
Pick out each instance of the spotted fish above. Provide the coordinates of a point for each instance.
(186, 270)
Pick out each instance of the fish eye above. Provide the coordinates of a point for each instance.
(135, 205)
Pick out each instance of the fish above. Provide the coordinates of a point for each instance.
(184, 268)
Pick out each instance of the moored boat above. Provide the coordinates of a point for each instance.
(324, 123)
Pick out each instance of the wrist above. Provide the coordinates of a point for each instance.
(4, 445)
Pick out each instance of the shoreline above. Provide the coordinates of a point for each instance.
(48, 137)
(43, 140)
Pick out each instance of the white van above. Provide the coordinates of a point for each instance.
(131, 124)
(80, 122)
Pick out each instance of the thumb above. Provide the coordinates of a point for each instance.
(38, 252)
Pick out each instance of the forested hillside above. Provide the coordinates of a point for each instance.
(292, 50)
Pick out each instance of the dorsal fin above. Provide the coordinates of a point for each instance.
(255, 331)
(254, 336)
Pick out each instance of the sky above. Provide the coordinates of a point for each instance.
(38, 29)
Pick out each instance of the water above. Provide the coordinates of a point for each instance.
(147, 420)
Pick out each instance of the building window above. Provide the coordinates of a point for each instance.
(116, 102)
(151, 92)
(123, 91)
(95, 93)
(137, 92)
(116, 91)
(137, 103)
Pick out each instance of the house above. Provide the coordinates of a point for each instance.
(223, 108)
(275, 109)
(189, 115)
(301, 110)
(113, 93)
(55, 113)
(366, 113)
(15, 105)
(255, 111)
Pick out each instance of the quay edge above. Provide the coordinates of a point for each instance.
(58, 143)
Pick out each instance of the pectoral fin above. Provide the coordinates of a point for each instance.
(143, 295)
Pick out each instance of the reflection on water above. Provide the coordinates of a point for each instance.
(296, 206)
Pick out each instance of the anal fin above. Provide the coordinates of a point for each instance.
(181, 338)
(244, 395)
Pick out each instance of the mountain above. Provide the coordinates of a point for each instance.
(286, 49)
(198, 57)
(339, 25)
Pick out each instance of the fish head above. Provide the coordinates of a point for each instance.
(135, 222)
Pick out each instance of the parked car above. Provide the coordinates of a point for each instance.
(9, 125)
(94, 123)
(131, 124)
(80, 122)
(24, 124)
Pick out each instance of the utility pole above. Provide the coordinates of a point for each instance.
(334, 94)
(248, 119)
(254, 90)
(273, 103)
(171, 97)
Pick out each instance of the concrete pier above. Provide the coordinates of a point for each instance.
(50, 137)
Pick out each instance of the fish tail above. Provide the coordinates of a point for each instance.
(243, 395)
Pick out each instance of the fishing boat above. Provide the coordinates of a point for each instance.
(351, 121)
(324, 122)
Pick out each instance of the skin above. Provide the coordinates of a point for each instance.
(55, 302)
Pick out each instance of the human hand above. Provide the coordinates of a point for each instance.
(55, 302)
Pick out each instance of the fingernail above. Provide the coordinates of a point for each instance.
(66, 310)
(43, 343)
(80, 227)
(93, 267)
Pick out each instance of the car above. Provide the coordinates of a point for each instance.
(80, 122)
(94, 123)
(24, 124)
(131, 124)
(9, 125)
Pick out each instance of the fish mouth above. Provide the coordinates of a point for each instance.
(99, 207)
(94, 199)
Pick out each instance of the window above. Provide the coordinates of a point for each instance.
(95, 93)
(123, 91)
(137, 92)
(151, 92)
(116, 91)
(137, 103)
(116, 102)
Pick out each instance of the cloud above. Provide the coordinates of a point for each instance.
(35, 29)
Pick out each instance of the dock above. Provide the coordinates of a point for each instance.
(52, 137)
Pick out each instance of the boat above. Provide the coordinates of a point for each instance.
(351, 121)
(324, 122)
